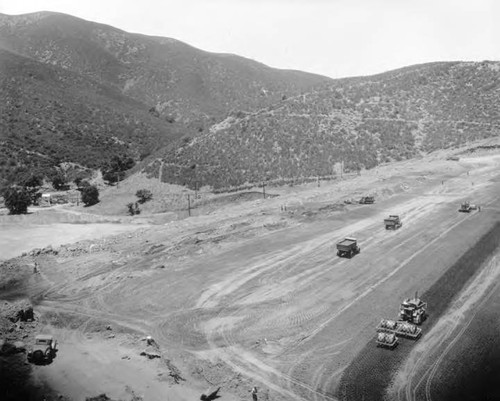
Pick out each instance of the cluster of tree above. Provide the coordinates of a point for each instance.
(114, 170)
(143, 195)
(26, 192)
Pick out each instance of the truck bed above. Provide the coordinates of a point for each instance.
(346, 244)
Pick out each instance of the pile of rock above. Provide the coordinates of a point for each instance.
(20, 310)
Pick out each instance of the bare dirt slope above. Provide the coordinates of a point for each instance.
(254, 295)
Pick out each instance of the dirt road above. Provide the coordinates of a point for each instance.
(257, 296)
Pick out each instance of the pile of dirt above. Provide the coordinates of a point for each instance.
(6, 326)
(20, 310)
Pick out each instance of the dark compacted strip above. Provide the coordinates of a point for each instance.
(370, 373)
(471, 371)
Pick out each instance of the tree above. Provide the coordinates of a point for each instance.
(58, 181)
(114, 170)
(17, 200)
(33, 181)
(133, 208)
(90, 195)
(144, 195)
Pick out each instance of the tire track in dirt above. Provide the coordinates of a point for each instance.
(472, 298)
(302, 316)
(356, 382)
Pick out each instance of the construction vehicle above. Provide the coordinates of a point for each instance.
(367, 200)
(387, 340)
(402, 329)
(348, 247)
(393, 222)
(44, 350)
(413, 310)
(465, 207)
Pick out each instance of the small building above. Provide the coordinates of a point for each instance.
(45, 200)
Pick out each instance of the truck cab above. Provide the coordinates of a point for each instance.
(44, 349)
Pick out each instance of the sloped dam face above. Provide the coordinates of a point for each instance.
(470, 367)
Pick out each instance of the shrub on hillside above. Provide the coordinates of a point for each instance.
(144, 195)
(114, 170)
(90, 195)
(133, 208)
(17, 200)
(33, 181)
(59, 182)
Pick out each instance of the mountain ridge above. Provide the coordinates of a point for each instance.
(360, 122)
(147, 91)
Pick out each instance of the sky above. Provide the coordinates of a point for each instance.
(336, 38)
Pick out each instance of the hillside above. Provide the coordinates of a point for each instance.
(361, 122)
(79, 91)
(50, 115)
(178, 81)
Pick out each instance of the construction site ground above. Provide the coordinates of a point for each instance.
(251, 293)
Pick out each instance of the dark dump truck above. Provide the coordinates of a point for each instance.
(367, 200)
(393, 222)
(348, 247)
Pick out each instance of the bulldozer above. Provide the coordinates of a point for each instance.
(413, 310)
(367, 200)
(467, 207)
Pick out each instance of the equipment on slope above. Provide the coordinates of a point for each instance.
(413, 310)
(467, 207)
(367, 200)
(402, 329)
(348, 247)
(393, 222)
(387, 340)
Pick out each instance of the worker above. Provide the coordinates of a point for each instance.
(35, 268)
(253, 391)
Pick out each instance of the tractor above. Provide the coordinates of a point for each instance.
(413, 310)
(465, 207)
(367, 200)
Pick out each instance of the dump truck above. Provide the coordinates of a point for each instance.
(367, 200)
(387, 340)
(393, 222)
(348, 247)
(44, 350)
(402, 329)
(413, 310)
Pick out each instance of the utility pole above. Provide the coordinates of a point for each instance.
(189, 204)
(264, 189)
